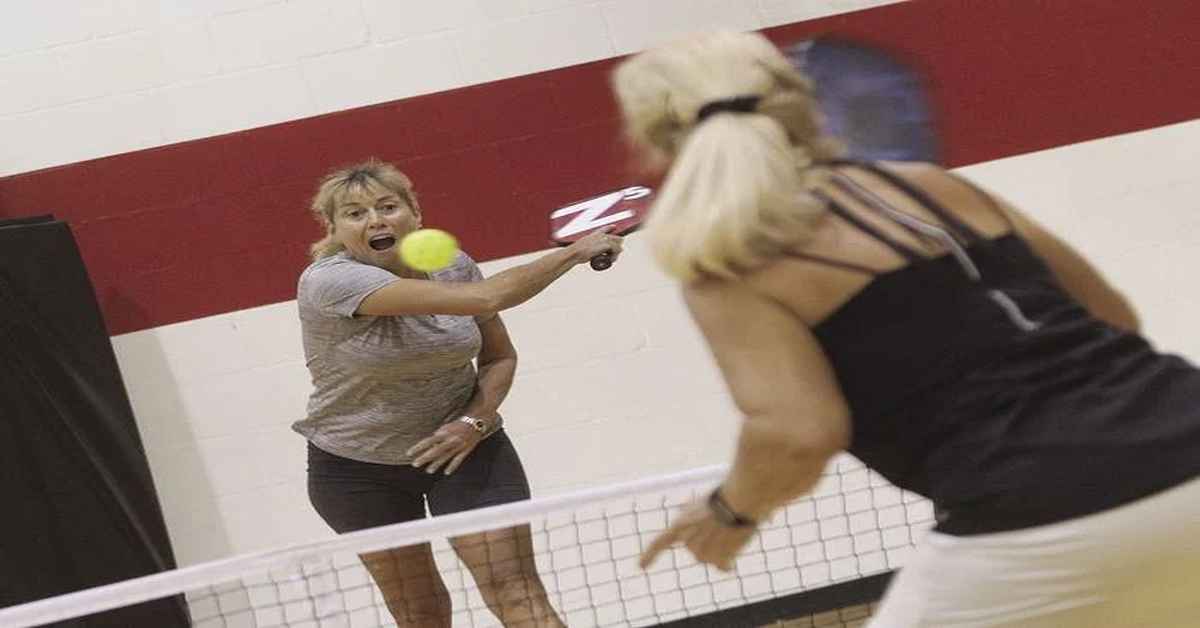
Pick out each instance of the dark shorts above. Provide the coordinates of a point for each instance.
(351, 495)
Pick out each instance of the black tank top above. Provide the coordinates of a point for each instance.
(976, 381)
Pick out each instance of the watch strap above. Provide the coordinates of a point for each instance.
(725, 515)
(479, 425)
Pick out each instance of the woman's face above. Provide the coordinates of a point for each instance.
(371, 221)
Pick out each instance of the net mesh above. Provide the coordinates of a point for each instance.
(853, 527)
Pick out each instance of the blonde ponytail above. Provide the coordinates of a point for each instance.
(733, 199)
(736, 193)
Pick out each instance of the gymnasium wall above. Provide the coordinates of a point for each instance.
(182, 140)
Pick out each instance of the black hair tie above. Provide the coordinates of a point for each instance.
(737, 104)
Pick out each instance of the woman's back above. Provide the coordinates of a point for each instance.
(941, 336)
(828, 287)
(973, 376)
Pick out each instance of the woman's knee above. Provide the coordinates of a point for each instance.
(410, 570)
(513, 589)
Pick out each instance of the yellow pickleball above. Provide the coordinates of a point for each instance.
(428, 249)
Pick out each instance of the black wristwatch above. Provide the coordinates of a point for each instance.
(726, 515)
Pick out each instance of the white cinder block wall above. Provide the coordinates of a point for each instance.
(613, 383)
(87, 78)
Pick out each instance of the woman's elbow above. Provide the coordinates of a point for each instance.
(483, 299)
(1127, 318)
(1114, 308)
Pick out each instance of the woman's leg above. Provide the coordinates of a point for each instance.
(411, 586)
(501, 561)
(351, 495)
(1128, 566)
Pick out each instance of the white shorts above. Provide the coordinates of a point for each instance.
(1136, 565)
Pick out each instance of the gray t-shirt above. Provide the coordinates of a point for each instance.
(380, 383)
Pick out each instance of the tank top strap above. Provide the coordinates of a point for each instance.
(905, 251)
(955, 226)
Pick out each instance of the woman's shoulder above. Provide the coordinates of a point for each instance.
(338, 273)
(321, 266)
(912, 171)
(463, 268)
(464, 260)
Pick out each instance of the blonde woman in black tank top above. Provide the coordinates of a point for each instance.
(900, 313)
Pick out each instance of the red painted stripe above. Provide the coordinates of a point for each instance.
(216, 225)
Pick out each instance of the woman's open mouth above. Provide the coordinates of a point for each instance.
(382, 242)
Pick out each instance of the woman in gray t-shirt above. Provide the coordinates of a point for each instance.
(399, 416)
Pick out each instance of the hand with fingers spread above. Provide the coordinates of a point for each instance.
(710, 530)
(448, 447)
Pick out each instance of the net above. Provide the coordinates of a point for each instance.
(821, 561)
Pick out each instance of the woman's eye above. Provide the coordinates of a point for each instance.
(389, 208)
